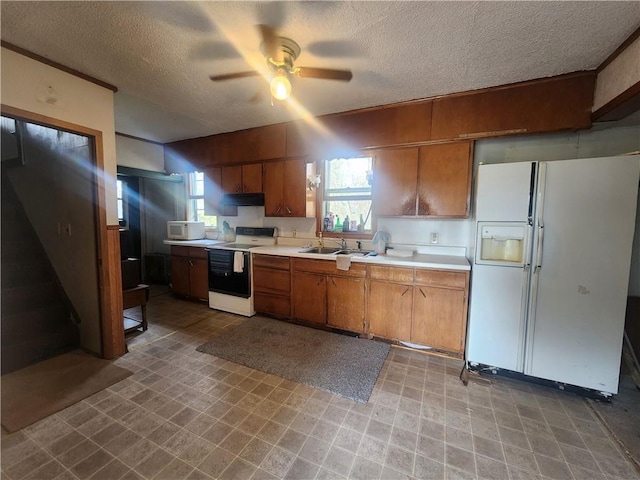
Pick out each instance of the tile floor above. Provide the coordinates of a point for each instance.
(185, 414)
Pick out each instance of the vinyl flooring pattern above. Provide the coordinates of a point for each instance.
(189, 415)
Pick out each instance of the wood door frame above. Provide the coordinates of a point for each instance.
(107, 236)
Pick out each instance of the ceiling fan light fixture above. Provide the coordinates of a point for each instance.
(280, 86)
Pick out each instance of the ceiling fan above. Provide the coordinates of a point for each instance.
(281, 53)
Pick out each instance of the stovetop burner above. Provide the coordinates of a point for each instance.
(250, 237)
(237, 246)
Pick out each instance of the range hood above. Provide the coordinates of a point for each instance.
(243, 199)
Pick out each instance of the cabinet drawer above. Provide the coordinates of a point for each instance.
(273, 304)
(391, 274)
(441, 278)
(328, 267)
(197, 252)
(180, 251)
(271, 261)
(271, 280)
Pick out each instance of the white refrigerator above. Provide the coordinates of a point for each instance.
(551, 268)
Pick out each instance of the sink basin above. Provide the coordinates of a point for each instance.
(357, 253)
(324, 250)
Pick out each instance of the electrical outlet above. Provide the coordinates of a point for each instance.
(435, 237)
(295, 233)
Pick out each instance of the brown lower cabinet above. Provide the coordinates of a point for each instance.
(419, 305)
(272, 285)
(190, 272)
(324, 295)
(310, 297)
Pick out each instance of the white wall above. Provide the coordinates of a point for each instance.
(35, 87)
(139, 154)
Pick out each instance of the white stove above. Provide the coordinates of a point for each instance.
(230, 276)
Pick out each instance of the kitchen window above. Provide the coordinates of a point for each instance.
(121, 188)
(347, 193)
(195, 200)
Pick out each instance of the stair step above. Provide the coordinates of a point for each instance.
(37, 348)
(29, 297)
(18, 274)
(21, 326)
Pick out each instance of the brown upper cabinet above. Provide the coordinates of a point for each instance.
(242, 178)
(212, 190)
(548, 105)
(285, 189)
(394, 125)
(432, 181)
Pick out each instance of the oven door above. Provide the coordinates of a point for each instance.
(224, 278)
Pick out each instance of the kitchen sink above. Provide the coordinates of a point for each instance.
(324, 250)
(357, 253)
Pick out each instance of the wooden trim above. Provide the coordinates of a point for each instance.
(113, 342)
(59, 66)
(120, 134)
(619, 107)
(623, 46)
(43, 120)
(110, 291)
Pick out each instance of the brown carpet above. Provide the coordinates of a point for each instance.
(37, 391)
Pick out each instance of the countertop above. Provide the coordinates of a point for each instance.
(205, 242)
(420, 260)
(442, 262)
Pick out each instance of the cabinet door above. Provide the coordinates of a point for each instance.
(395, 182)
(295, 188)
(180, 275)
(389, 310)
(439, 318)
(273, 178)
(212, 190)
(232, 179)
(199, 278)
(310, 297)
(252, 178)
(345, 303)
(444, 180)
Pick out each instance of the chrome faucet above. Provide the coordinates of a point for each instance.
(342, 242)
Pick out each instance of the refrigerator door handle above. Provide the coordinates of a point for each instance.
(539, 249)
(542, 182)
(524, 308)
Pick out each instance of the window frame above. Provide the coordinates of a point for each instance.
(192, 199)
(124, 221)
(321, 199)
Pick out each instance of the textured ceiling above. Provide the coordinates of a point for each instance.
(160, 54)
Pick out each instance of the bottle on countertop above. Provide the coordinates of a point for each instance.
(338, 226)
(345, 224)
(361, 224)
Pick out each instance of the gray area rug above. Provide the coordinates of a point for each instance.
(338, 364)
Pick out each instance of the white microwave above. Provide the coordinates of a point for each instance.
(181, 230)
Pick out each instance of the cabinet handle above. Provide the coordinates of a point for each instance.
(288, 210)
(190, 263)
(278, 210)
(334, 283)
(404, 292)
(422, 293)
(319, 282)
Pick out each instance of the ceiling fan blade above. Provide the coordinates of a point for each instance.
(324, 73)
(270, 41)
(231, 76)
